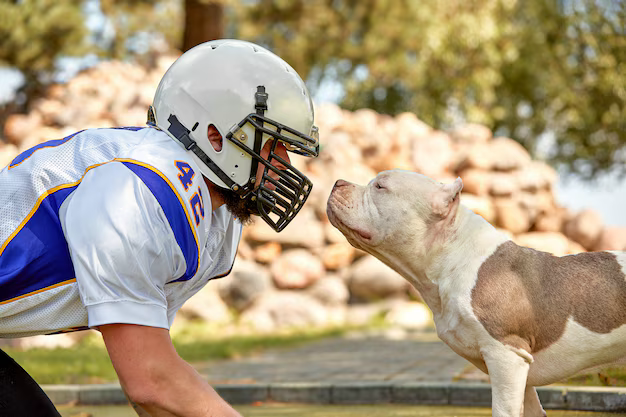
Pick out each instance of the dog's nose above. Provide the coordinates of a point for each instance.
(340, 183)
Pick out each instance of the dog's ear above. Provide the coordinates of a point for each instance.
(446, 198)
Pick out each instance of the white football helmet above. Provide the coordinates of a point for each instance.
(251, 96)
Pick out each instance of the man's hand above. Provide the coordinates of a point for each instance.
(156, 378)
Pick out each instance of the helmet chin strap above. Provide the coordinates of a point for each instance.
(181, 133)
(260, 98)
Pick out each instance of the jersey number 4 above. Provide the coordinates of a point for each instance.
(185, 176)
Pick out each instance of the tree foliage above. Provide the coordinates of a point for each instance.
(34, 33)
(133, 26)
(522, 68)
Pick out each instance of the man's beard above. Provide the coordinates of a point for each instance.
(241, 208)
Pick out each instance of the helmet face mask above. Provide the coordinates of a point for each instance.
(281, 192)
(251, 96)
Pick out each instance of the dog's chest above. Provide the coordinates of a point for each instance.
(453, 313)
(458, 328)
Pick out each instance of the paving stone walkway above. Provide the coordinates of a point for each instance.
(419, 358)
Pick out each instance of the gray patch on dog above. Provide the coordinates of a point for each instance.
(524, 297)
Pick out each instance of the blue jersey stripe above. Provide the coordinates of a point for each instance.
(57, 142)
(37, 257)
(28, 152)
(174, 209)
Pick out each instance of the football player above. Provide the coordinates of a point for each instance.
(114, 229)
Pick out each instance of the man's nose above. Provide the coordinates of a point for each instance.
(281, 151)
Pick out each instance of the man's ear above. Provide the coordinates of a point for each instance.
(215, 138)
(446, 198)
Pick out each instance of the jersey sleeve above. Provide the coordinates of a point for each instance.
(122, 248)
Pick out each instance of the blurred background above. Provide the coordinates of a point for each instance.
(525, 100)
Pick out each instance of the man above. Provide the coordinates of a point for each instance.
(114, 229)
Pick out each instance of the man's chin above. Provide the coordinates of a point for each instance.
(242, 209)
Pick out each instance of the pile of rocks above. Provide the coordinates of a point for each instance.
(308, 275)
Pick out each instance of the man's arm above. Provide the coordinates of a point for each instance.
(156, 378)
(140, 411)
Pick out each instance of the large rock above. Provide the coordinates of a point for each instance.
(612, 238)
(511, 215)
(370, 279)
(247, 282)
(410, 128)
(18, 126)
(7, 154)
(503, 184)
(134, 116)
(471, 133)
(328, 117)
(322, 186)
(433, 155)
(330, 290)
(554, 243)
(267, 252)
(296, 269)
(363, 126)
(476, 181)
(303, 231)
(574, 248)
(538, 202)
(207, 305)
(50, 109)
(477, 156)
(332, 234)
(410, 315)
(339, 149)
(358, 173)
(507, 154)
(536, 175)
(361, 314)
(549, 222)
(337, 255)
(284, 309)
(480, 205)
(585, 228)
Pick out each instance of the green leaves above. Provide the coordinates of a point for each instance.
(35, 32)
(521, 68)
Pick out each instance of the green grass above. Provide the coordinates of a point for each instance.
(203, 349)
(614, 376)
(88, 361)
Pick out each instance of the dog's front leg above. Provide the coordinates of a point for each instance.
(532, 406)
(508, 372)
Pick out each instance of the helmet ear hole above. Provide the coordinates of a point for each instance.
(215, 138)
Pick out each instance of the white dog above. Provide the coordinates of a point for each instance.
(525, 317)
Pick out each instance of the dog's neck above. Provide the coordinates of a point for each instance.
(439, 268)
(469, 236)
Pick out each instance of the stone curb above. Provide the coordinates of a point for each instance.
(552, 397)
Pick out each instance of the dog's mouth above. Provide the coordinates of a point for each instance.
(333, 209)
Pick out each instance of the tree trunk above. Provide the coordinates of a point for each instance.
(204, 21)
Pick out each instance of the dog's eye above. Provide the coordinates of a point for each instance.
(378, 186)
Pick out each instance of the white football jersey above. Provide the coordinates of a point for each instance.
(106, 226)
